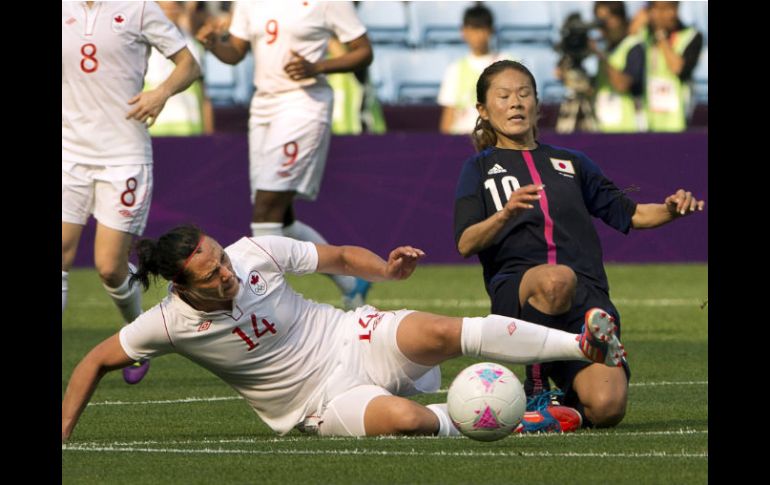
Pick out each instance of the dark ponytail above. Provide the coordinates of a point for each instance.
(484, 135)
(165, 256)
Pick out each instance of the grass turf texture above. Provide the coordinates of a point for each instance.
(663, 438)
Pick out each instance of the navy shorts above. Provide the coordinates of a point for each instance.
(505, 301)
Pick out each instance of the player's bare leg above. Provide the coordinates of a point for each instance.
(603, 392)
(70, 237)
(397, 415)
(111, 249)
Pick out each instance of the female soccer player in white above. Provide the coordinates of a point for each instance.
(309, 365)
(290, 113)
(106, 150)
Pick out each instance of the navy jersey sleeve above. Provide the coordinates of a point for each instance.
(469, 202)
(603, 198)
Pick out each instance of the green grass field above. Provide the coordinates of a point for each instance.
(183, 425)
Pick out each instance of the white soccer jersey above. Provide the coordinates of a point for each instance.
(276, 28)
(274, 347)
(104, 53)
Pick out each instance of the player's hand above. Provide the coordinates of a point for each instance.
(402, 262)
(209, 32)
(148, 105)
(521, 200)
(683, 203)
(299, 67)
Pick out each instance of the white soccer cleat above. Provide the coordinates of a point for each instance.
(599, 341)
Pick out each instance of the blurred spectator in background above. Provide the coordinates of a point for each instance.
(619, 83)
(291, 110)
(458, 88)
(672, 51)
(189, 112)
(356, 107)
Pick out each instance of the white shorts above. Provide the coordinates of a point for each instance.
(288, 141)
(377, 366)
(117, 195)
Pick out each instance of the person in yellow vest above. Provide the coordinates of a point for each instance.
(356, 108)
(672, 51)
(457, 94)
(619, 84)
(189, 112)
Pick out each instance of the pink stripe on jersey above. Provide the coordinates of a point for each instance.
(543, 205)
(271, 256)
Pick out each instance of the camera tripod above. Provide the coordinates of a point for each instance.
(576, 111)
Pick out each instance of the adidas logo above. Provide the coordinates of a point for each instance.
(496, 169)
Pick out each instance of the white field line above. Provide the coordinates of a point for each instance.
(306, 439)
(440, 391)
(416, 303)
(368, 452)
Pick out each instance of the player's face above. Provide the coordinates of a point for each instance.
(511, 109)
(211, 273)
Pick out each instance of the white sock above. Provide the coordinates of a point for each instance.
(127, 298)
(64, 279)
(516, 341)
(266, 229)
(445, 425)
(301, 231)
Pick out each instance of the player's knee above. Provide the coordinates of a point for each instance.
(557, 288)
(112, 273)
(606, 411)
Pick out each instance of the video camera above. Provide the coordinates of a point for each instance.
(574, 41)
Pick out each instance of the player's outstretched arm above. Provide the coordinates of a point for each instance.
(358, 261)
(148, 104)
(106, 356)
(679, 204)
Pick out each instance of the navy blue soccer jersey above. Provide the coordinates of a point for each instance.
(559, 229)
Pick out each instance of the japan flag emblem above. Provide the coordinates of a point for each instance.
(564, 166)
(119, 23)
(257, 283)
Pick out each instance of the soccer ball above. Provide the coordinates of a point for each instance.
(486, 401)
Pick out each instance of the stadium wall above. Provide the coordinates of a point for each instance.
(383, 191)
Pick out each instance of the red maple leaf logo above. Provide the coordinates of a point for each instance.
(119, 19)
(254, 279)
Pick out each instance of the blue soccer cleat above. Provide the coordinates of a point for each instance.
(357, 297)
(545, 415)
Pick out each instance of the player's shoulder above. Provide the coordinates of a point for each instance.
(262, 250)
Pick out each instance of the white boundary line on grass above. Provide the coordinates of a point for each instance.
(307, 439)
(440, 391)
(368, 452)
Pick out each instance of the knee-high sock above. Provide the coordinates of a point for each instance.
(64, 279)
(445, 425)
(127, 298)
(303, 232)
(266, 229)
(516, 341)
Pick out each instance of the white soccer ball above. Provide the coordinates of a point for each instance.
(486, 401)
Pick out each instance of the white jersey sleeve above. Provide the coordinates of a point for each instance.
(290, 255)
(239, 24)
(159, 32)
(342, 20)
(147, 336)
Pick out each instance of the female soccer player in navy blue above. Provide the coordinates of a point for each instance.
(526, 209)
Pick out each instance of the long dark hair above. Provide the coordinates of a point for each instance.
(484, 135)
(165, 256)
